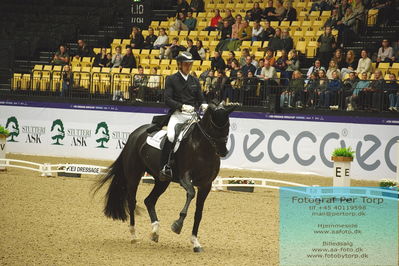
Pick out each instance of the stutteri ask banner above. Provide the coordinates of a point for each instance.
(274, 143)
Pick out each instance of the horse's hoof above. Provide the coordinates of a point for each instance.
(176, 227)
(198, 249)
(154, 237)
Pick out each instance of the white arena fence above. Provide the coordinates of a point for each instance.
(47, 169)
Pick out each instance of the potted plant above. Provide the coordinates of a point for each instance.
(389, 185)
(342, 158)
(241, 188)
(4, 133)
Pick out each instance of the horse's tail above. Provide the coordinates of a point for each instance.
(116, 197)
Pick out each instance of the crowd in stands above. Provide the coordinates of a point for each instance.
(338, 78)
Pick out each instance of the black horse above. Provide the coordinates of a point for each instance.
(197, 163)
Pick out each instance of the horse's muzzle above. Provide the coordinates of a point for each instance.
(222, 153)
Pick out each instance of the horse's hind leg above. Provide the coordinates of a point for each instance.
(150, 202)
(132, 185)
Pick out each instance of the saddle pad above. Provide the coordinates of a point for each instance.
(156, 140)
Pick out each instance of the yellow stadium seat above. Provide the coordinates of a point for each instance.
(301, 46)
(76, 68)
(47, 68)
(96, 69)
(25, 81)
(16, 81)
(38, 67)
(86, 69)
(285, 24)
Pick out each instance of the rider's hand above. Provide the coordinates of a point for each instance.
(204, 106)
(187, 108)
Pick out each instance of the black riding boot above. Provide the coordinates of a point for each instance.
(166, 171)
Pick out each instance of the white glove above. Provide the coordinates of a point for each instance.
(204, 106)
(187, 108)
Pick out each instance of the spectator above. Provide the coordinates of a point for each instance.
(182, 6)
(171, 51)
(101, 59)
(320, 5)
(338, 57)
(312, 88)
(226, 31)
(281, 64)
(297, 87)
(268, 32)
(229, 17)
(153, 89)
(117, 57)
(385, 53)
(328, 98)
(258, 71)
(372, 96)
(150, 39)
(83, 50)
(315, 68)
(268, 9)
(292, 62)
(162, 39)
(220, 85)
(190, 21)
(254, 61)
(197, 5)
(287, 41)
(136, 92)
(364, 64)
(350, 63)
(393, 93)
(348, 88)
(332, 67)
(67, 81)
(352, 100)
(290, 14)
(230, 59)
(244, 54)
(128, 60)
(256, 12)
(201, 50)
(235, 67)
(232, 94)
(358, 11)
(342, 8)
(109, 61)
(275, 43)
(322, 87)
(137, 41)
(248, 66)
(244, 34)
(278, 13)
(217, 62)
(326, 43)
(248, 16)
(257, 31)
(209, 84)
(346, 27)
(269, 73)
(270, 56)
(179, 23)
(214, 21)
(61, 57)
(333, 20)
(191, 48)
(237, 26)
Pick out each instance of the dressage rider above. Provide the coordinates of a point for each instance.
(183, 95)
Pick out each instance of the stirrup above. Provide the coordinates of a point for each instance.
(166, 173)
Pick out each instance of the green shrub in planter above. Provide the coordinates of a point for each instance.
(343, 152)
(4, 131)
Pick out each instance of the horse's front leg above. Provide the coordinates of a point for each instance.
(201, 197)
(185, 182)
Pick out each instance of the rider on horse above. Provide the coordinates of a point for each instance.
(182, 94)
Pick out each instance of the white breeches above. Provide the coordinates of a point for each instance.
(176, 118)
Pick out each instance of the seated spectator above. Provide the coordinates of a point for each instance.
(286, 40)
(258, 71)
(268, 32)
(232, 94)
(229, 17)
(197, 5)
(101, 59)
(226, 31)
(83, 50)
(281, 64)
(312, 88)
(117, 57)
(179, 23)
(249, 89)
(352, 100)
(315, 68)
(190, 21)
(244, 54)
(230, 59)
(350, 63)
(248, 16)
(214, 21)
(269, 73)
(162, 39)
(171, 51)
(323, 82)
(276, 43)
(320, 5)
(290, 13)
(373, 95)
(278, 13)
(270, 9)
(333, 20)
(128, 60)
(342, 7)
(257, 31)
(254, 61)
(201, 50)
(150, 39)
(332, 67)
(182, 6)
(67, 81)
(338, 57)
(270, 56)
(392, 89)
(385, 53)
(137, 41)
(153, 89)
(237, 26)
(292, 62)
(328, 98)
(209, 84)
(191, 48)
(326, 44)
(61, 57)
(364, 64)
(297, 87)
(346, 27)
(109, 61)
(136, 92)
(220, 85)
(248, 66)
(256, 12)
(244, 34)
(348, 88)
(235, 67)
(217, 62)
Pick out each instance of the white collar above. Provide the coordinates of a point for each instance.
(184, 76)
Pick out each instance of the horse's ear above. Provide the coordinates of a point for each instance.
(212, 106)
